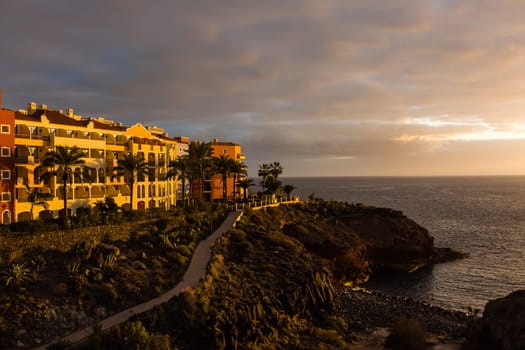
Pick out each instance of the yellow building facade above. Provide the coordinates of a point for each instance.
(39, 130)
(214, 187)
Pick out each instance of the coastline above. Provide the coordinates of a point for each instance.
(365, 311)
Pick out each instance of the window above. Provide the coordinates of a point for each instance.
(6, 151)
(6, 175)
(225, 151)
(6, 196)
(5, 129)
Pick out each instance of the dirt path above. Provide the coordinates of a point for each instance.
(196, 271)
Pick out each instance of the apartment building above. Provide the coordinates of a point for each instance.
(7, 177)
(213, 186)
(27, 135)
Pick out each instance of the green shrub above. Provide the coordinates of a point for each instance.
(406, 334)
(137, 336)
(84, 248)
(39, 263)
(159, 342)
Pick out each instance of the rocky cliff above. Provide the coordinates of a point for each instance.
(357, 239)
(502, 325)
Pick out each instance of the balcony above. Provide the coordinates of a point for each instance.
(26, 160)
(21, 180)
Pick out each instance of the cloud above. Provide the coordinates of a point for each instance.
(335, 83)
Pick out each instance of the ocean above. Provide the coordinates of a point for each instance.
(481, 216)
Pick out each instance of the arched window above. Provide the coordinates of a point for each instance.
(101, 176)
(77, 176)
(36, 175)
(6, 217)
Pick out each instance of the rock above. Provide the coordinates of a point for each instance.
(109, 249)
(20, 344)
(441, 255)
(386, 237)
(502, 325)
(139, 265)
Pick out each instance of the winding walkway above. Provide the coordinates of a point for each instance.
(195, 272)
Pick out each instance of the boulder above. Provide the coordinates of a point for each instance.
(109, 249)
(139, 265)
(502, 325)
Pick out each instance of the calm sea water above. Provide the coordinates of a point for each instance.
(482, 216)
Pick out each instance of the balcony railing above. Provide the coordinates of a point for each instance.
(23, 135)
(26, 159)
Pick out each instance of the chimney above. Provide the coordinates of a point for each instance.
(31, 108)
(70, 113)
(44, 107)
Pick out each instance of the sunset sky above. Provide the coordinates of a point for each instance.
(409, 87)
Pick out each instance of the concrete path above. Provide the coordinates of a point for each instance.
(196, 271)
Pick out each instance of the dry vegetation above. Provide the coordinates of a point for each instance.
(55, 282)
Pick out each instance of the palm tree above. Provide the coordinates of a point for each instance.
(245, 184)
(270, 173)
(199, 157)
(60, 163)
(288, 189)
(180, 168)
(238, 170)
(264, 172)
(35, 196)
(223, 165)
(131, 167)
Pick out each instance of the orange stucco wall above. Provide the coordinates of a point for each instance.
(7, 141)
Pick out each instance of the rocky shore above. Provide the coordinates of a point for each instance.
(366, 311)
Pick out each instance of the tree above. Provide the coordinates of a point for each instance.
(131, 167)
(245, 184)
(106, 207)
(35, 196)
(223, 166)
(200, 161)
(239, 170)
(60, 163)
(288, 189)
(270, 173)
(180, 168)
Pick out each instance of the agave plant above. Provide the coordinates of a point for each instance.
(16, 275)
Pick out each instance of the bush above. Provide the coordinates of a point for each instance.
(137, 336)
(407, 334)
